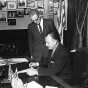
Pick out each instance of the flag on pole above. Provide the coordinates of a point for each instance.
(62, 17)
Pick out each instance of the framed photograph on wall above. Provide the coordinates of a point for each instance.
(21, 4)
(11, 5)
(26, 11)
(31, 4)
(11, 21)
(20, 13)
(3, 16)
(40, 3)
(40, 6)
(56, 6)
(3, 5)
(11, 14)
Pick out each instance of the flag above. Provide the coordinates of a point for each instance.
(62, 17)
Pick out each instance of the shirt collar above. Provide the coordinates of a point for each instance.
(41, 23)
(54, 48)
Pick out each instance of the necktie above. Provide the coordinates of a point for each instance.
(40, 29)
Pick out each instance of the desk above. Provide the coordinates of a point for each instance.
(42, 80)
(19, 63)
(52, 81)
(35, 84)
(46, 80)
(12, 61)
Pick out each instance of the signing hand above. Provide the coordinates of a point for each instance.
(33, 64)
(32, 72)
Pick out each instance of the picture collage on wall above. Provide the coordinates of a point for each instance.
(3, 16)
(3, 13)
(12, 9)
(53, 7)
(11, 12)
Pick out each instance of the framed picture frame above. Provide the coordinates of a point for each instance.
(26, 11)
(40, 3)
(3, 5)
(11, 14)
(53, 7)
(21, 4)
(20, 13)
(3, 16)
(11, 21)
(56, 6)
(40, 7)
(31, 4)
(11, 5)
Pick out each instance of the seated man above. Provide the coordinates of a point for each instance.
(59, 62)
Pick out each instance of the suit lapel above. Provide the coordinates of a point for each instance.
(35, 28)
(57, 49)
(44, 26)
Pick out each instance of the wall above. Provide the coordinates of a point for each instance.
(13, 43)
(21, 23)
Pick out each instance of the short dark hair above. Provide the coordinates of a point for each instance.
(55, 36)
(33, 12)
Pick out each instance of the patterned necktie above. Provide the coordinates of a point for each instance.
(40, 28)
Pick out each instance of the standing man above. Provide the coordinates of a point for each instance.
(37, 30)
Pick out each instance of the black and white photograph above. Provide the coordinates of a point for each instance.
(3, 16)
(11, 21)
(21, 3)
(11, 14)
(3, 5)
(26, 11)
(40, 3)
(11, 5)
(43, 43)
(20, 13)
(40, 6)
(31, 3)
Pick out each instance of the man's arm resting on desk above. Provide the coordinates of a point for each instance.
(47, 71)
(61, 81)
(30, 71)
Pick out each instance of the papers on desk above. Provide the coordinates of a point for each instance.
(12, 61)
(2, 62)
(18, 60)
(33, 84)
(50, 87)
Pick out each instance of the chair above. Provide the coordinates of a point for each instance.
(79, 65)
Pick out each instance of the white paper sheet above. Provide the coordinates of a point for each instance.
(33, 84)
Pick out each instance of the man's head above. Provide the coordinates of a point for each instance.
(51, 40)
(34, 16)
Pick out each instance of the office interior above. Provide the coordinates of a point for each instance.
(14, 37)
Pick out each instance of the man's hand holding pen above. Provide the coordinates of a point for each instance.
(34, 64)
(33, 69)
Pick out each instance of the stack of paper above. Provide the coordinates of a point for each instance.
(50, 86)
(18, 60)
(33, 84)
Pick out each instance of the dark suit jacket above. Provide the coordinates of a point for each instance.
(36, 40)
(59, 64)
